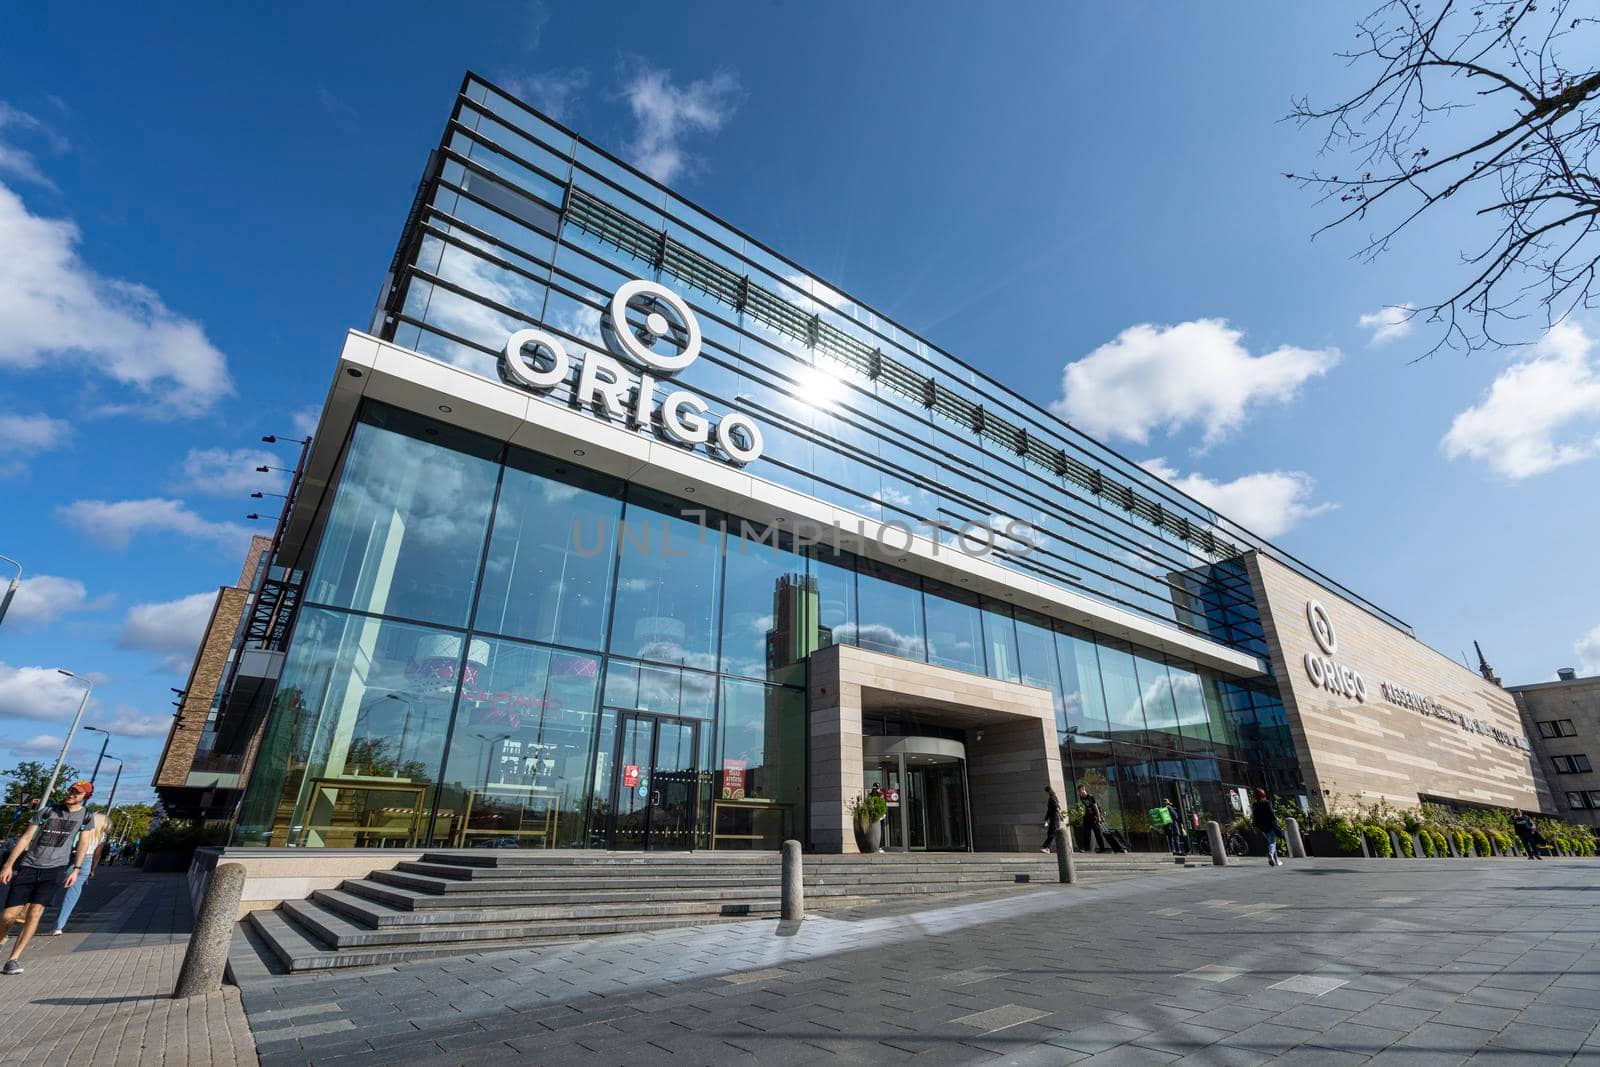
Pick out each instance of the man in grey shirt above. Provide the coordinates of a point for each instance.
(42, 863)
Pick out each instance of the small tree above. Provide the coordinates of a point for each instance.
(25, 783)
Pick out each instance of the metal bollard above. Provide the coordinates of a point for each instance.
(1297, 845)
(207, 955)
(792, 904)
(1219, 853)
(1065, 865)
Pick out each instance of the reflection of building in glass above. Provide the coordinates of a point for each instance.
(534, 618)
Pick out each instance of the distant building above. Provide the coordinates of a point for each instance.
(186, 788)
(1563, 720)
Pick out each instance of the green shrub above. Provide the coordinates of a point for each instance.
(1461, 839)
(1378, 841)
(181, 837)
(1429, 849)
(1502, 839)
(1412, 822)
(1441, 847)
(1345, 835)
(1407, 848)
(1480, 841)
(869, 809)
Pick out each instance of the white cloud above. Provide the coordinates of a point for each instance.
(1539, 413)
(38, 745)
(665, 114)
(22, 436)
(231, 472)
(1388, 323)
(1268, 503)
(1167, 377)
(59, 312)
(116, 523)
(130, 723)
(44, 598)
(41, 693)
(553, 91)
(172, 629)
(304, 421)
(18, 162)
(1587, 648)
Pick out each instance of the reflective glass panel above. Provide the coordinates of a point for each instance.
(548, 573)
(1000, 641)
(955, 628)
(1123, 706)
(406, 532)
(890, 607)
(759, 795)
(1081, 692)
(669, 572)
(766, 604)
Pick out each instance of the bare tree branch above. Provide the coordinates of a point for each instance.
(1492, 108)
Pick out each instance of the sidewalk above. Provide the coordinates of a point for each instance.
(100, 992)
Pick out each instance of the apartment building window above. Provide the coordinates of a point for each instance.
(1557, 728)
(1586, 800)
(1576, 764)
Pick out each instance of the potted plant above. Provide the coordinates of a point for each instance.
(870, 812)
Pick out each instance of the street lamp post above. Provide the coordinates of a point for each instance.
(100, 758)
(11, 590)
(112, 799)
(88, 687)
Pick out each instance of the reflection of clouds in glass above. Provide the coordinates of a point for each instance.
(888, 494)
(436, 493)
(878, 637)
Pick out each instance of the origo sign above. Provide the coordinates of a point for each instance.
(606, 386)
(1337, 677)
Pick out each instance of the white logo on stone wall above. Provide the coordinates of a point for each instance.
(604, 385)
(1322, 627)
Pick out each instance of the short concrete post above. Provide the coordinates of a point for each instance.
(1297, 845)
(1366, 852)
(1066, 868)
(1394, 843)
(1416, 843)
(792, 905)
(1219, 852)
(1450, 842)
(207, 955)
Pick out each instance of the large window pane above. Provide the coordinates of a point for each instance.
(1155, 688)
(519, 755)
(357, 733)
(1124, 709)
(766, 604)
(548, 574)
(668, 577)
(955, 628)
(759, 798)
(833, 578)
(1193, 713)
(1036, 657)
(407, 527)
(1000, 642)
(891, 612)
(1081, 691)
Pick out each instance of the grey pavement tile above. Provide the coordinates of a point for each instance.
(1306, 1056)
(1213, 972)
(1234, 1017)
(1000, 1018)
(1097, 1037)
(1528, 1039)
(1562, 1016)
(1482, 1016)
(1041, 1056)
(1416, 1057)
(1222, 1055)
(1356, 1038)
(1424, 999)
(1182, 1038)
(1128, 1056)
(1269, 1037)
(1350, 999)
(1500, 998)
(1313, 1016)
(1314, 984)
(1442, 1038)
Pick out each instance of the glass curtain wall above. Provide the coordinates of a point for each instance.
(479, 624)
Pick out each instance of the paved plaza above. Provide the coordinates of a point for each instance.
(1322, 961)
(99, 993)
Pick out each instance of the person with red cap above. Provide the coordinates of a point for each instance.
(42, 863)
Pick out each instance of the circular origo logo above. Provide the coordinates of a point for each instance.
(1321, 627)
(654, 301)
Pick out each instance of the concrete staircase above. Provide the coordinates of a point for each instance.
(475, 900)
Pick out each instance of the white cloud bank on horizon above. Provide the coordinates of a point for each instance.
(1267, 503)
(665, 115)
(1538, 414)
(1171, 377)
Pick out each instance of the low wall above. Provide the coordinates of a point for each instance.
(273, 875)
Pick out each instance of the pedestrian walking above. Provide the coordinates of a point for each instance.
(1164, 816)
(1266, 822)
(41, 862)
(1052, 819)
(1094, 827)
(94, 828)
(1527, 833)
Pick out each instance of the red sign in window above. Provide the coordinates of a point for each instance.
(630, 775)
(733, 779)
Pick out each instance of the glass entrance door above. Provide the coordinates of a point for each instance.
(653, 788)
(931, 807)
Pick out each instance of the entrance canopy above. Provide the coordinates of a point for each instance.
(1008, 733)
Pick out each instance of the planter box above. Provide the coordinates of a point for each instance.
(1323, 843)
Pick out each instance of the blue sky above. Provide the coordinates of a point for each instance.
(196, 203)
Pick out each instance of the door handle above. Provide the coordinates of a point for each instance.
(655, 799)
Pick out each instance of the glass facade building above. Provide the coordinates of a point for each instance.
(494, 645)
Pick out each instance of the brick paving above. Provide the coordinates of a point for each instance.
(1325, 961)
(99, 992)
